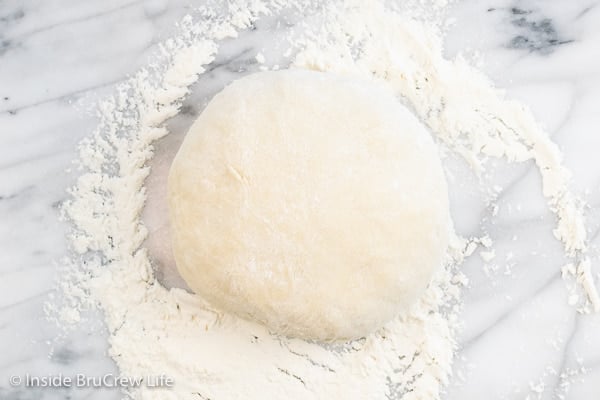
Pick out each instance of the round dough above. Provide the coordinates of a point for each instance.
(314, 204)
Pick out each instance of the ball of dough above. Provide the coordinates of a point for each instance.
(311, 203)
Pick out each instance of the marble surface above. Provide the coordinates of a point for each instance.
(520, 338)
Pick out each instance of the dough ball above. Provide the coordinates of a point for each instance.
(311, 203)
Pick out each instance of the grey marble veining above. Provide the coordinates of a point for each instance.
(519, 333)
(520, 336)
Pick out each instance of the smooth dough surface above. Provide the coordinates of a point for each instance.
(311, 203)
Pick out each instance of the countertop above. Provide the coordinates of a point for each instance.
(520, 337)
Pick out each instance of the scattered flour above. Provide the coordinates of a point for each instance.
(457, 102)
(210, 355)
(564, 380)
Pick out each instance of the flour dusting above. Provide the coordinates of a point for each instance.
(457, 102)
(210, 355)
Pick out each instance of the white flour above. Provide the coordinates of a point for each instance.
(457, 102)
(154, 330)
